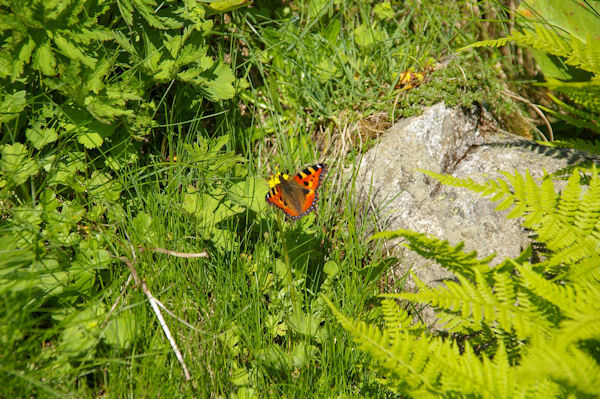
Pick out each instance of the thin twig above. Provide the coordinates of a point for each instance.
(537, 111)
(174, 253)
(155, 307)
(166, 330)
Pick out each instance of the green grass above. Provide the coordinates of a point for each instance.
(307, 79)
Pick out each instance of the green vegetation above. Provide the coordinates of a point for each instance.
(533, 328)
(131, 128)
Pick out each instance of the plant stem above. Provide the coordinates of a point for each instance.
(288, 266)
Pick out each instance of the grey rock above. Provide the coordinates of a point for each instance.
(447, 140)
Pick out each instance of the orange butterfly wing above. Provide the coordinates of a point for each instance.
(275, 197)
(300, 190)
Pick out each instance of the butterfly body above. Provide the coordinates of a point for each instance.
(297, 195)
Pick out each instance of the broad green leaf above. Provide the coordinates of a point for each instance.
(72, 51)
(12, 105)
(90, 139)
(333, 30)
(331, 268)
(575, 18)
(383, 10)
(218, 82)
(39, 137)
(303, 324)
(250, 193)
(102, 187)
(92, 255)
(121, 331)
(16, 164)
(365, 35)
(88, 131)
(80, 334)
(210, 208)
(145, 228)
(315, 7)
(44, 60)
(221, 6)
(64, 172)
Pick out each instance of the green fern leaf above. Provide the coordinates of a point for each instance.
(543, 39)
(585, 55)
(476, 302)
(397, 319)
(452, 258)
(570, 367)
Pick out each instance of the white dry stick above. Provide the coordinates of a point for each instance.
(176, 254)
(163, 324)
(537, 111)
(153, 302)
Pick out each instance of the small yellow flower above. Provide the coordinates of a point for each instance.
(276, 178)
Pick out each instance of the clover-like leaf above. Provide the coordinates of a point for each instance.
(16, 164)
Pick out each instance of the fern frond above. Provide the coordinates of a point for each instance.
(585, 55)
(567, 224)
(583, 326)
(497, 188)
(405, 359)
(452, 258)
(568, 366)
(543, 39)
(584, 123)
(589, 208)
(478, 303)
(397, 319)
(587, 269)
(584, 94)
(592, 147)
(423, 366)
(561, 296)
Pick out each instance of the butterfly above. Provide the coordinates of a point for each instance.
(296, 196)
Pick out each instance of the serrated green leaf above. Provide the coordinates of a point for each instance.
(95, 81)
(124, 42)
(120, 331)
(12, 104)
(218, 82)
(90, 139)
(144, 226)
(102, 187)
(16, 164)
(73, 51)
(106, 109)
(39, 137)
(44, 60)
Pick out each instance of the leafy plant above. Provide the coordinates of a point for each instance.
(530, 329)
(563, 38)
(82, 90)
